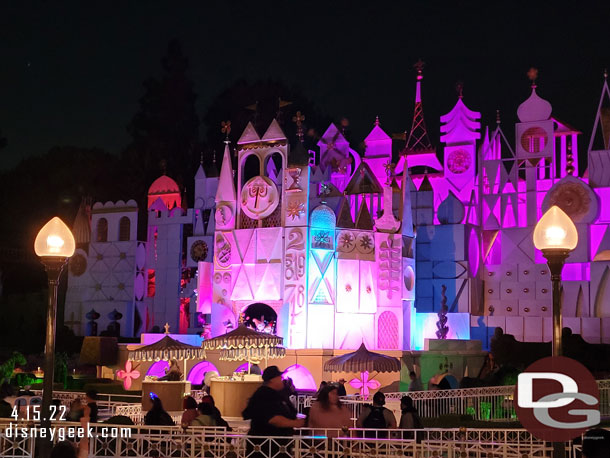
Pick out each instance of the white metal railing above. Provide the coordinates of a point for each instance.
(485, 403)
(201, 442)
(105, 402)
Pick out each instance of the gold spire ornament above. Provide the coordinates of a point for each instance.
(532, 74)
(298, 119)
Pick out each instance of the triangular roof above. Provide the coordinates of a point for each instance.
(364, 220)
(274, 132)
(158, 205)
(226, 188)
(425, 184)
(332, 135)
(345, 215)
(200, 175)
(249, 135)
(363, 181)
(377, 134)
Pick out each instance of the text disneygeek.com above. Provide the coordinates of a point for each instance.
(62, 433)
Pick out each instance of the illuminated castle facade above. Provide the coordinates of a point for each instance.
(345, 248)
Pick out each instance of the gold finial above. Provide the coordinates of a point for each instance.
(389, 171)
(226, 129)
(166, 327)
(298, 119)
(605, 73)
(201, 158)
(532, 74)
(377, 120)
(498, 121)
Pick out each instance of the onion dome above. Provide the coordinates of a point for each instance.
(535, 108)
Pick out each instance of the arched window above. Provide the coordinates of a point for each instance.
(124, 229)
(251, 168)
(102, 230)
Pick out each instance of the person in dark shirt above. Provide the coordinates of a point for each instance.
(91, 409)
(6, 409)
(156, 415)
(269, 412)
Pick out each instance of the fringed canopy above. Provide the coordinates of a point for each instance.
(166, 349)
(243, 337)
(362, 360)
(252, 354)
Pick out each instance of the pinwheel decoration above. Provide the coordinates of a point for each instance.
(364, 384)
(128, 375)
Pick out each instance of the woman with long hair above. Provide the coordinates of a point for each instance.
(328, 412)
(156, 416)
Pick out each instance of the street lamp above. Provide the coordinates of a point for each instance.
(54, 244)
(556, 236)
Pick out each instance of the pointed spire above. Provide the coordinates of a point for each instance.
(364, 220)
(425, 184)
(274, 132)
(602, 119)
(345, 216)
(226, 188)
(418, 140)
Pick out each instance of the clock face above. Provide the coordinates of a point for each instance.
(199, 251)
(259, 197)
(459, 161)
(78, 265)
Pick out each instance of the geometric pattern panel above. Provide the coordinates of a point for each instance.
(387, 331)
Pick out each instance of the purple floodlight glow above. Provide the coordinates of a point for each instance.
(301, 377)
(158, 369)
(198, 371)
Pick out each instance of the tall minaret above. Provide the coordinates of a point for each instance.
(534, 143)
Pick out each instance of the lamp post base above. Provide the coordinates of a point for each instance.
(54, 267)
(556, 260)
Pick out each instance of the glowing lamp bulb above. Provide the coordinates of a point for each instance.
(55, 239)
(555, 231)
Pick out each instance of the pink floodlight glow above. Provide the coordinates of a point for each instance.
(301, 377)
(198, 371)
(158, 369)
(364, 384)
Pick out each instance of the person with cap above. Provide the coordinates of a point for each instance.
(269, 411)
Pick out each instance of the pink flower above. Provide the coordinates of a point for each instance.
(364, 384)
(127, 375)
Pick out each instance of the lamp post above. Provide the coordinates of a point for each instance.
(556, 236)
(54, 244)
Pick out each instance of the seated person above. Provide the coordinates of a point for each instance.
(206, 415)
(173, 374)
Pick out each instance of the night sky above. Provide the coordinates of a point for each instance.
(72, 72)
